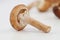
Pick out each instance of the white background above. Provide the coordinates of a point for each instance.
(29, 33)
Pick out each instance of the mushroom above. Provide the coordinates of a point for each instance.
(19, 18)
(56, 10)
(46, 5)
(43, 6)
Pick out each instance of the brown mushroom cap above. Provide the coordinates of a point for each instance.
(56, 10)
(45, 7)
(53, 1)
(14, 16)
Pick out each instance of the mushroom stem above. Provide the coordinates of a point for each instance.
(32, 4)
(36, 23)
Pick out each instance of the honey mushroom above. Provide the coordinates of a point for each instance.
(19, 18)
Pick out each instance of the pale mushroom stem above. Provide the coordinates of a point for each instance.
(35, 23)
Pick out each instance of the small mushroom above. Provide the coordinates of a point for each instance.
(45, 6)
(19, 18)
(56, 10)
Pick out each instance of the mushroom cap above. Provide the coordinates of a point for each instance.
(14, 16)
(53, 1)
(56, 10)
(44, 6)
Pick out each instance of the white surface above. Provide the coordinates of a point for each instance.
(29, 33)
